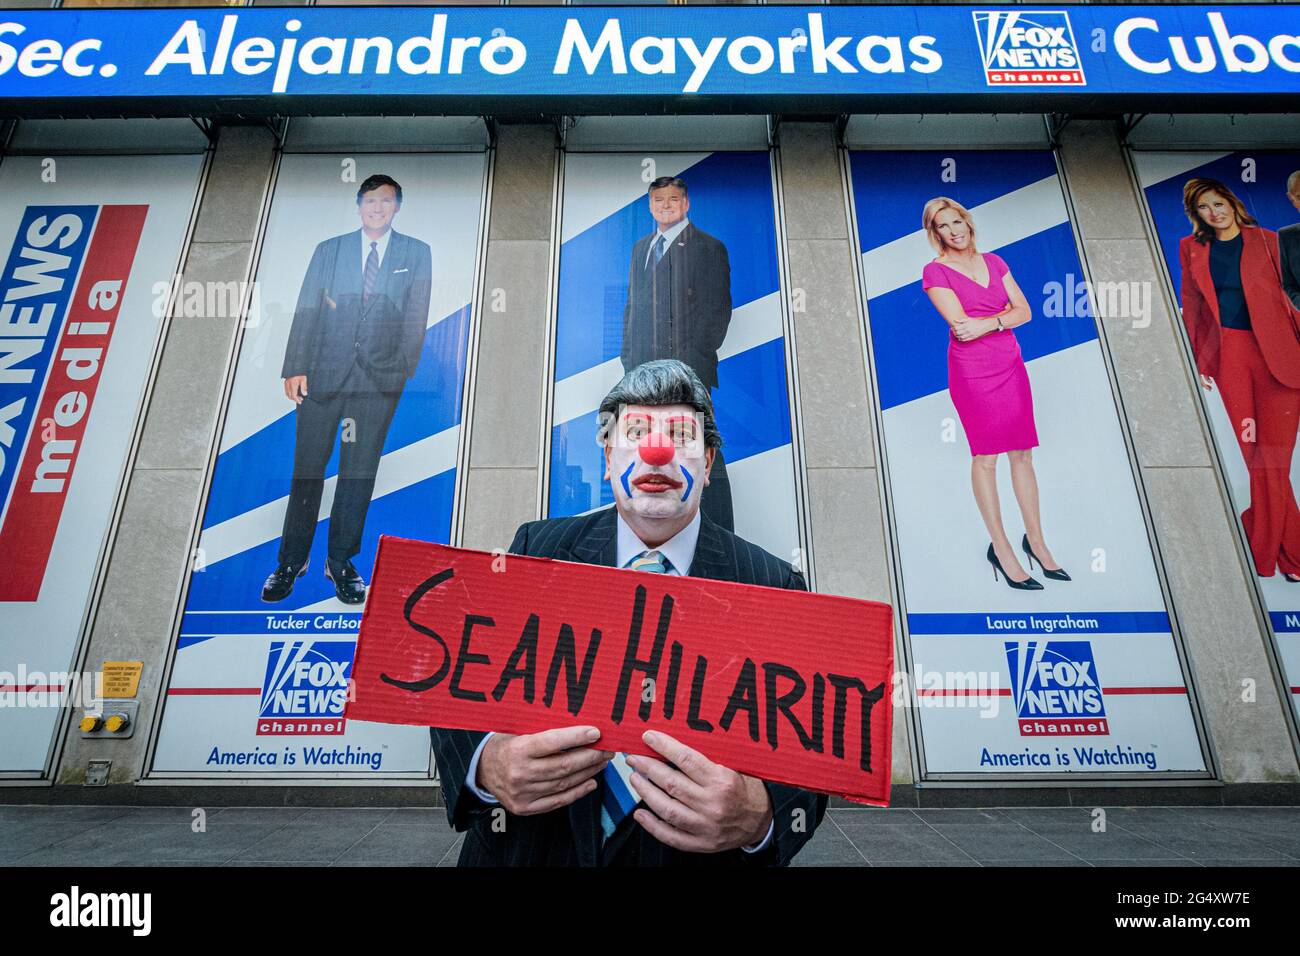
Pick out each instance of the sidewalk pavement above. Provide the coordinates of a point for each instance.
(297, 836)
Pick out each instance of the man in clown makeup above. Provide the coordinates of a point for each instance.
(566, 801)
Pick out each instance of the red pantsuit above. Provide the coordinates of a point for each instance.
(1257, 372)
(1265, 415)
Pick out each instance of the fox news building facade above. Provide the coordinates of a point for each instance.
(184, 191)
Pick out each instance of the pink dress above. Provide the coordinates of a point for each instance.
(987, 377)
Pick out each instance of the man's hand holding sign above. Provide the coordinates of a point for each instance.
(697, 805)
(641, 719)
(538, 773)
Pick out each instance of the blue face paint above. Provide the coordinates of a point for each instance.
(626, 489)
(690, 482)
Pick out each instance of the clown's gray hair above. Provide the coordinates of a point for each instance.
(662, 382)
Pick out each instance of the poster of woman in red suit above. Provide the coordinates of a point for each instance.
(1244, 335)
(981, 302)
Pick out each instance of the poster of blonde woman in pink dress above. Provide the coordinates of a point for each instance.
(1038, 637)
(981, 302)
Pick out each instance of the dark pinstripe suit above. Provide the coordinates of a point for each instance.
(571, 836)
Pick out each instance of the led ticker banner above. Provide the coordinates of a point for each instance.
(716, 56)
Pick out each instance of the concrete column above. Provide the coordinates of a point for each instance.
(1208, 579)
(149, 562)
(848, 539)
(501, 487)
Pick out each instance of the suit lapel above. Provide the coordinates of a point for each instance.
(679, 245)
(598, 543)
(1201, 272)
(1256, 262)
(643, 257)
(715, 558)
(347, 270)
(680, 272)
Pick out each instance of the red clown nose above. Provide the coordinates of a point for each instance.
(656, 449)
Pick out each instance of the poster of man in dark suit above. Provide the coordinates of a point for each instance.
(679, 307)
(1288, 243)
(356, 339)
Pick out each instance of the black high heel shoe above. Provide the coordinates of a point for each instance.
(1057, 575)
(1028, 584)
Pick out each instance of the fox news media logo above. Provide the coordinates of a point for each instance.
(1028, 48)
(1056, 689)
(306, 687)
(61, 289)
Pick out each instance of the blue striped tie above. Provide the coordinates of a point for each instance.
(371, 274)
(660, 247)
(618, 798)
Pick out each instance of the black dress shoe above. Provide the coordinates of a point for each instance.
(1055, 574)
(1028, 584)
(279, 583)
(348, 584)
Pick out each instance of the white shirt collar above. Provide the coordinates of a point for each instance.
(679, 549)
(382, 248)
(671, 233)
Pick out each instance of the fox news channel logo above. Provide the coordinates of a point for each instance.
(1056, 690)
(305, 687)
(1028, 48)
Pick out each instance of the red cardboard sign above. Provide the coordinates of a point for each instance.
(787, 686)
